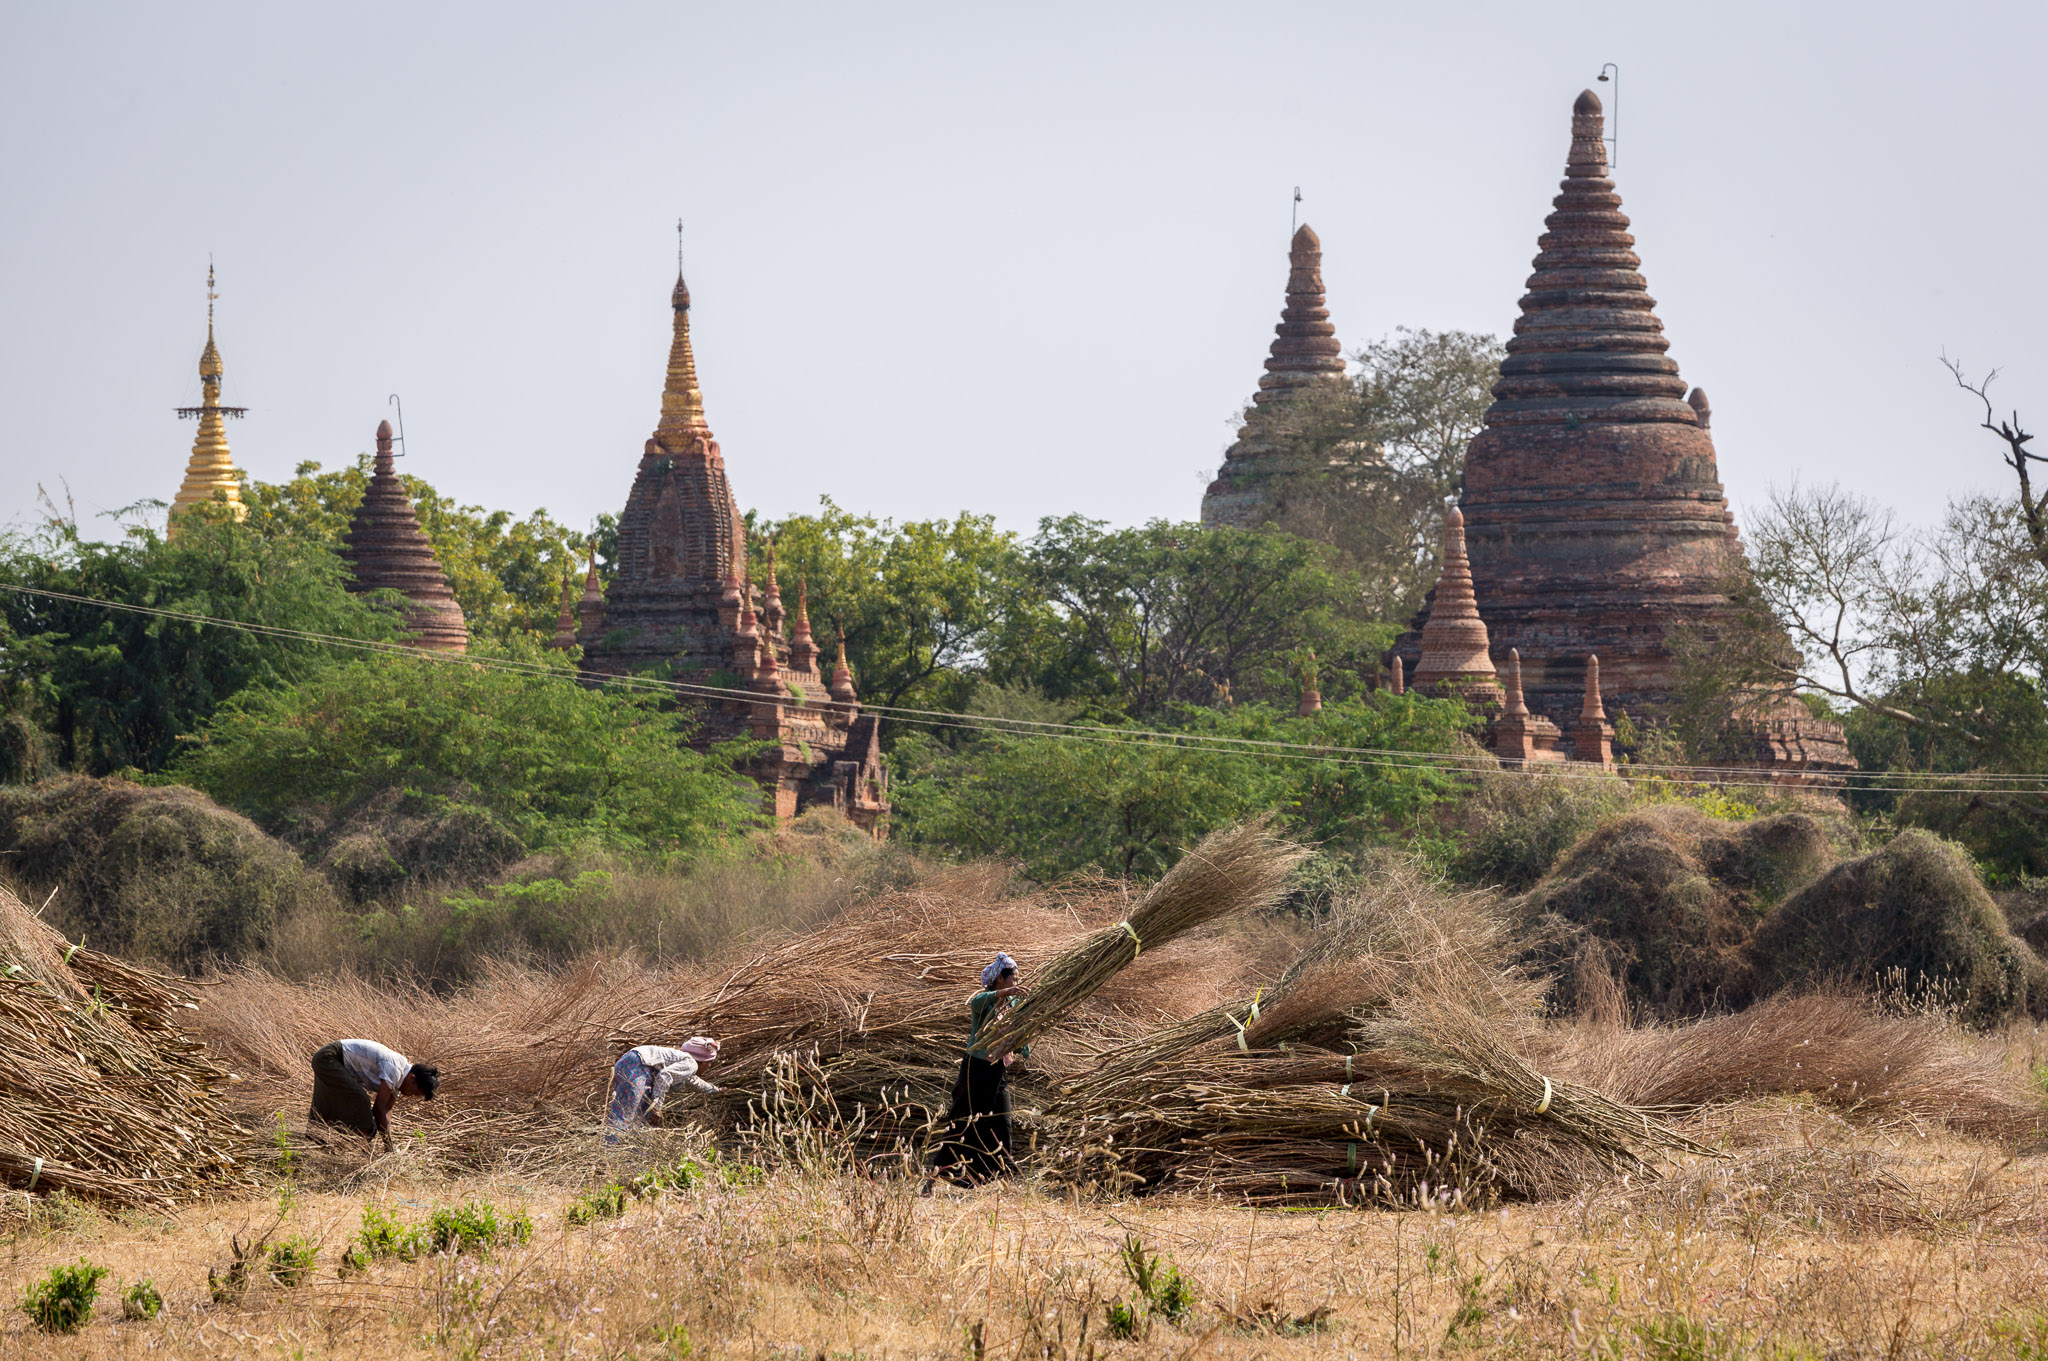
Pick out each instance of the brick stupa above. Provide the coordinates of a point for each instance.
(1593, 507)
(386, 549)
(680, 602)
(1304, 352)
(1453, 657)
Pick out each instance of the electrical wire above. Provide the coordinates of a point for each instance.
(1985, 783)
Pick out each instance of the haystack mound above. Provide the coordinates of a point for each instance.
(157, 872)
(103, 1093)
(1668, 898)
(1911, 917)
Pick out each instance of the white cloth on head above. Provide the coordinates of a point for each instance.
(702, 1048)
(375, 1064)
(670, 1066)
(997, 967)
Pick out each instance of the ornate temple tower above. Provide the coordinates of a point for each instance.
(386, 549)
(1304, 352)
(1593, 506)
(210, 474)
(681, 601)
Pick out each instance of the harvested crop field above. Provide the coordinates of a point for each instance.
(1265, 1137)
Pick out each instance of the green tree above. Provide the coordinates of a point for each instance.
(1109, 797)
(559, 764)
(922, 601)
(506, 572)
(1170, 614)
(1374, 459)
(118, 689)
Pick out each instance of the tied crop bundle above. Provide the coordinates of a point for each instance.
(1238, 869)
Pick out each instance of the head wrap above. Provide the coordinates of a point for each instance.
(702, 1048)
(1001, 965)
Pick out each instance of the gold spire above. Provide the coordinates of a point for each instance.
(682, 402)
(210, 474)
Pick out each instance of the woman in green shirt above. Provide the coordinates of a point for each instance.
(977, 1143)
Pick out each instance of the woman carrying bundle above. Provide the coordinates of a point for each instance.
(977, 1143)
(355, 1083)
(642, 1077)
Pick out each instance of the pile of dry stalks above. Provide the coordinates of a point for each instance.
(103, 1092)
(1390, 1064)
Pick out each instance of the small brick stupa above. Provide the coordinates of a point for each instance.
(1304, 352)
(386, 549)
(1592, 501)
(680, 601)
(1453, 657)
(210, 475)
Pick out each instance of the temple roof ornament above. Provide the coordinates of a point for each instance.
(386, 549)
(210, 474)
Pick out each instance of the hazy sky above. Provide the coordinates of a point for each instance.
(1023, 262)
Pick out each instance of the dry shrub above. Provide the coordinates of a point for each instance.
(1914, 909)
(160, 873)
(1834, 1047)
(1671, 897)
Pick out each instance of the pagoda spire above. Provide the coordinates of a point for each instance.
(565, 621)
(803, 648)
(771, 605)
(682, 401)
(842, 677)
(1593, 735)
(590, 611)
(210, 474)
(1305, 348)
(386, 549)
(1517, 736)
(1454, 642)
(1399, 682)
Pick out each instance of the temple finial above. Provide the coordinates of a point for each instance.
(1399, 680)
(1697, 400)
(210, 473)
(771, 607)
(682, 401)
(842, 674)
(1593, 735)
(803, 648)
(1515, 706)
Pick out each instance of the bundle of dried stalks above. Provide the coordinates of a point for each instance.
(103, 1093)
(868, 1015)
(1833, 1046)
(1238, 869)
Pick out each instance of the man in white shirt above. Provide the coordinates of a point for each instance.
(355, 1083)
(643, 1077)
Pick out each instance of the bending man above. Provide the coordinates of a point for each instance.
(356, 1082)
(642, 1077)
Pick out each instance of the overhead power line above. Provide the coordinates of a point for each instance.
(1971, 783)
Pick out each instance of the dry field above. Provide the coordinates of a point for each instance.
(1814, 1236)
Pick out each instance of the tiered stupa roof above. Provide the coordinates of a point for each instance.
(386, 549)
(1304, 353)
(1593, 507)
(210, 475)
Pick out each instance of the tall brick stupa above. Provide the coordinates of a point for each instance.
(1594, 514)
(1304, 352)
(386, 549)
(681, 601)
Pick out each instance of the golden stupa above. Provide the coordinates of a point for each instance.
(210, 475)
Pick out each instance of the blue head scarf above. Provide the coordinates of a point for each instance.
(1001, 965)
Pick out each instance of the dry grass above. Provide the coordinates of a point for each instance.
(1787, 1253)
(1834, 1047)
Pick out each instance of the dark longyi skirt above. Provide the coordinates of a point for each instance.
(339, 1097)
(977, 1143)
